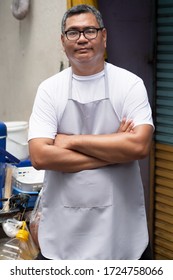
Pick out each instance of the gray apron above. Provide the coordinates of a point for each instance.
(93, 214)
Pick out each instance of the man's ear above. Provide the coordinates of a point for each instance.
(62, 40)
(104, 34)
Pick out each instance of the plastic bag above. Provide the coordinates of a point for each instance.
(35, 219)
(11, 227)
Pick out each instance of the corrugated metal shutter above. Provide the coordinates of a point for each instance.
(163, 222)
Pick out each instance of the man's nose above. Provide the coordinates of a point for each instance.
(82, 36)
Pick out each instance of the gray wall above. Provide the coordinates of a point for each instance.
(30, 51)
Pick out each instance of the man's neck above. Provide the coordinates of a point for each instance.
(87, 70)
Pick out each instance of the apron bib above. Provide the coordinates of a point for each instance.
(93, 214)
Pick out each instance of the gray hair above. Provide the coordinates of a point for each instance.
(80, 9)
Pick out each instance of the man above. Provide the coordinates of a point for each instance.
(81, 133)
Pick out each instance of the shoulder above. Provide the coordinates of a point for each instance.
(55, 88)
(125, 87)
(119, 74)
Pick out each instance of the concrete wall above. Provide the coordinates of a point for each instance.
(30, 51)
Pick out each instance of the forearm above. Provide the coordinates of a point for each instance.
(113, 148)
(72, 161)
(50, 157)
(109, 148)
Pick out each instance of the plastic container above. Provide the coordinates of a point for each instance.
(3, 136)
(21, 247)
(2, 181)
(32, 199)
(27, 181)
(17, 139)
(28, 178)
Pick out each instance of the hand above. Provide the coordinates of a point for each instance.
(126, 126)
(62, 141)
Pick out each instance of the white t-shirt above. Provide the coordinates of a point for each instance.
(127, 94)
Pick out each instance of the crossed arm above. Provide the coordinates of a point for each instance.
(73, 153)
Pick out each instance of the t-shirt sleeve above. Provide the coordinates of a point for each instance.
(136, 105)
(43, 119)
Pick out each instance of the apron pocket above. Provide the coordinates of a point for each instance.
(87, 189)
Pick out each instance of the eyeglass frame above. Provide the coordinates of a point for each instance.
(83, 32)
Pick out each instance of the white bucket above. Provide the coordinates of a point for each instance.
(17, 135)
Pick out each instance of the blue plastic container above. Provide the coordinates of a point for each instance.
(3, 136)
(32, 199)
(2, 180)
(16, 191)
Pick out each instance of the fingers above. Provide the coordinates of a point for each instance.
(126, 126)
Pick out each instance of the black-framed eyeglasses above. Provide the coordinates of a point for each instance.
(89, 33)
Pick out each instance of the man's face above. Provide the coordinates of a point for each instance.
(83, 50)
